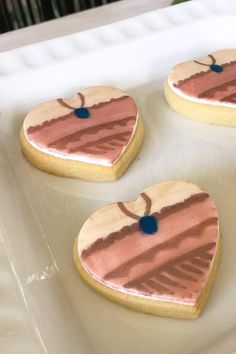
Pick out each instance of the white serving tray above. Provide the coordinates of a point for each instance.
(44, 305)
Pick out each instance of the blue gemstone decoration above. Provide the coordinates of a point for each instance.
(82, 113)
(216, 68)
(148, 224)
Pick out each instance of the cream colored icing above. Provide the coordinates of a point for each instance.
(162, 194)
(51, 109)
(186, 69)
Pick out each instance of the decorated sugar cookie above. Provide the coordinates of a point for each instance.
(205, 89)
(93, 136)
(157, 254)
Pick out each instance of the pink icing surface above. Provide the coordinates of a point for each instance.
(195, 86)
(113, 138)
(101, 262)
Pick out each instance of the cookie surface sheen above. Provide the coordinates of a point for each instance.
(94, 128)
(167, 271)
(111, 119)
(209, 83)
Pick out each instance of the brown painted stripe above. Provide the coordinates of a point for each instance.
(100, 141)
(117, 144)
(210, 93)
(91, 130)
(185, 257)
(124, 268)
(95, 152)
(105, 147)
(143, 288)
(180, 83)
(158, 287)
(194, 199)
(101, 104)
(99, 150)
(206, 256)
(179, 274)
(48, 123)
(230, 98)
(103, 243)
(191, 268)
(199, 263)
(201, 74)
(123, 139)
(168, 281)
(53, 121)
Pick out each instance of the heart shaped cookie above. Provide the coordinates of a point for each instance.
(158, 254)
(94, 135)
(205, 89)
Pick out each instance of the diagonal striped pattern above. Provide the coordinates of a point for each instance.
(210, 93)
(173, 264)
(104, 136)
(169, 274)
(75, 137)
(108, 143)
(229, 98)
(124, 269)
(208, 85)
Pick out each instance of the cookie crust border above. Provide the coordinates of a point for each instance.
(154, 307)
(82, 170)
(203, 112)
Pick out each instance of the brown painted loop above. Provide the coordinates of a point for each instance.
(66, 105)
(213, 61)
(132, 215)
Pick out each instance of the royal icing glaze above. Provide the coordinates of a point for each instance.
(171, 263)
(95, 126)
(210, 80)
